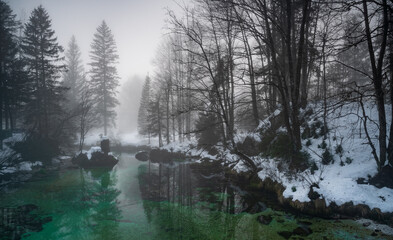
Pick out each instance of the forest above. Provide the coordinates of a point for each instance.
(225, 66)
(290, 99)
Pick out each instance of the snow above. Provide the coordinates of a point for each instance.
(133, 139)
(338, 183)
(16, 137)
(92, 150)
(385, 229)
(27, 166)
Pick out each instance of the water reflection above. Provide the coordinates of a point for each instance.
(160, 201)
(189, 185)
(188, 202)
(100, 198)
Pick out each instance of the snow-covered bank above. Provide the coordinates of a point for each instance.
(352, 160)
(337, 182)
(10, 161)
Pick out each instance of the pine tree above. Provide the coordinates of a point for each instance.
(9, 64)
(42, 56)
(104, 79)
(143, 126)
(73, 78)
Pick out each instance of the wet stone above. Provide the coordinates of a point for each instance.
(366, 224)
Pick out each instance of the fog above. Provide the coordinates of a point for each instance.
(129, 97)
(137, 26)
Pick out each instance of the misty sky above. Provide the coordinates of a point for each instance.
(137, 26)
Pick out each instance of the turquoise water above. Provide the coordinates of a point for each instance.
(136, 200)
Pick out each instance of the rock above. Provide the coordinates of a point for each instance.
(142, 156)
(164, 156)
(265, 219)
(98, 159)
(313, 195)
(81, 158)
(302, 231)
(366, 224)
(285, 234)
(361, 181)
(105, 147)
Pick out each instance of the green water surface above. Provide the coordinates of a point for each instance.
(138, 201)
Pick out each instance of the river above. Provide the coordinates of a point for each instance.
(138, 200)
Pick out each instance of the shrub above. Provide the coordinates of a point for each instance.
(293, 189)
(327, 157)
(208, 130)
(279, 147)
(301, 161)
(342, 164)
(308, 143)
(339, 150)
(348, 160)
(37, 148)
(313, 168)
(323, 144)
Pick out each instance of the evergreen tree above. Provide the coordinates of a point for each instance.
(155, 117)
(10, 66)
(42, 56)
(104, 79)
(74, 76)
(143, 125)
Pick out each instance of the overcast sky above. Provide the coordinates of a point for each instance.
(137, 26)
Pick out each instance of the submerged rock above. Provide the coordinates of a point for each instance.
(302, 231)
(266, 220)
(15, 222)
(285, 234)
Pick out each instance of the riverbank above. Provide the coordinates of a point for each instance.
(265, 181)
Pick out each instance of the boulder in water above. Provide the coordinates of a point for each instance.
(95, 158)
(105, 146)
(142, 156)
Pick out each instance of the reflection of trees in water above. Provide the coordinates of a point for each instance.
(183, 202)
(100, 197)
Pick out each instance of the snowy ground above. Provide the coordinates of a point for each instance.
(338, 183)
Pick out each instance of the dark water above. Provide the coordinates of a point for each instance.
(136, 200)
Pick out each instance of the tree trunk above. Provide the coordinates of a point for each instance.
(390, 43)
(377, 70)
